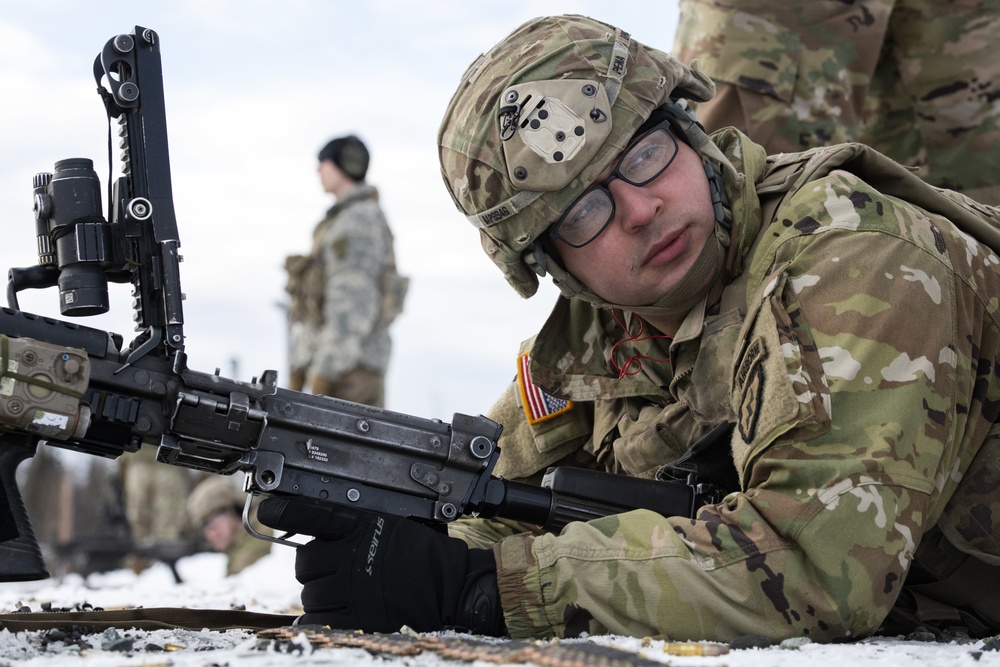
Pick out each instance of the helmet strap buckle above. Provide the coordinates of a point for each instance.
(534, 257)
(719, 204)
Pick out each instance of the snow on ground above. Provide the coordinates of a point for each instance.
(269, 586)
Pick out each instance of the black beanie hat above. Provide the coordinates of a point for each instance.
(349, 154)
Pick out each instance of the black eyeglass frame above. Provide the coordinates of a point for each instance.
(603, 185)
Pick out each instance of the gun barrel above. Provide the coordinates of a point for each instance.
(577, 494)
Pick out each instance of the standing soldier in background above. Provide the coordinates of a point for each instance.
(918, 80)
(345, 293)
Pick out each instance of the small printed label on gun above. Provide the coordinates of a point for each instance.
(48, 423)
(316, 454)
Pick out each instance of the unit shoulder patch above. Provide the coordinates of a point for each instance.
(751, 388)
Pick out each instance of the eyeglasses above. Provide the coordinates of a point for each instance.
(588, 216)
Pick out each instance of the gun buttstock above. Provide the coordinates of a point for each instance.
(20, 557)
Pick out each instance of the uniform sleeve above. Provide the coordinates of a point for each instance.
(354, 253)
(526, 451)
(846, 387)
(774, 62)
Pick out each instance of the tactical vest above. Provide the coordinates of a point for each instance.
(305, 285)
(946, 589)
(306, 278)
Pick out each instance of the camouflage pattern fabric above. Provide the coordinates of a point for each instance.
(244, 551)
(215, 494)
(353, 250)
(916, 79)
(155, 496)
(859, 430)
(633, 78)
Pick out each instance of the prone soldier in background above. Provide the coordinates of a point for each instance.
(215, 508)
(916, 79)
(832, 306)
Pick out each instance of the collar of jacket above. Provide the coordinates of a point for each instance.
(571, 355)
(361, 192)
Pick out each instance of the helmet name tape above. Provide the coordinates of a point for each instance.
(551, 130)
(619, 64)
(504, 210)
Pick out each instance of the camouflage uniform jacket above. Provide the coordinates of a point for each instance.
(915, 79)
(244, 551)
(856, 349)
(354, 246)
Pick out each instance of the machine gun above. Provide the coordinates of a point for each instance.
(85, 389)
(99, 553)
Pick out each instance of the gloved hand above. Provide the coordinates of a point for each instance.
(376, 573)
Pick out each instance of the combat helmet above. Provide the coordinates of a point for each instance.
(537, 118)
(211, 496)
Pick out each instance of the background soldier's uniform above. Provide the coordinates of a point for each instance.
(154, 496)
(345, 294)
(823, 327)
(916, 79)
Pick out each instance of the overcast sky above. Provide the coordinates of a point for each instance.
(253, 89)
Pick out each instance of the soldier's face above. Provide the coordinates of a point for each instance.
(330, 177)
(220, 529)
(657, 232)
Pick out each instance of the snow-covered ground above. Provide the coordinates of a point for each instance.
(269, 586)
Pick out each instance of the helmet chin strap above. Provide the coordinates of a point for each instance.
(694, 285)
(718, 194)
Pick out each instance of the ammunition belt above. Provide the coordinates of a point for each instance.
(555, 653)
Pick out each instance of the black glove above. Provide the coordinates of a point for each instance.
(376, 573)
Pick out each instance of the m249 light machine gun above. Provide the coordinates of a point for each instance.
(85, 389)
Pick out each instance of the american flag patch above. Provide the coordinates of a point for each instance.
(538, 404)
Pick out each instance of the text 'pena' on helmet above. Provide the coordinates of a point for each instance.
(537, 118)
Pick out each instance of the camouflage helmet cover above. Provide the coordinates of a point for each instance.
(537, 118)
(213, 495)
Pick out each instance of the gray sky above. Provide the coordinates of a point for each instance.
(253, 90)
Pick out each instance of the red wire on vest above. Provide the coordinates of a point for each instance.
(633, 364)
